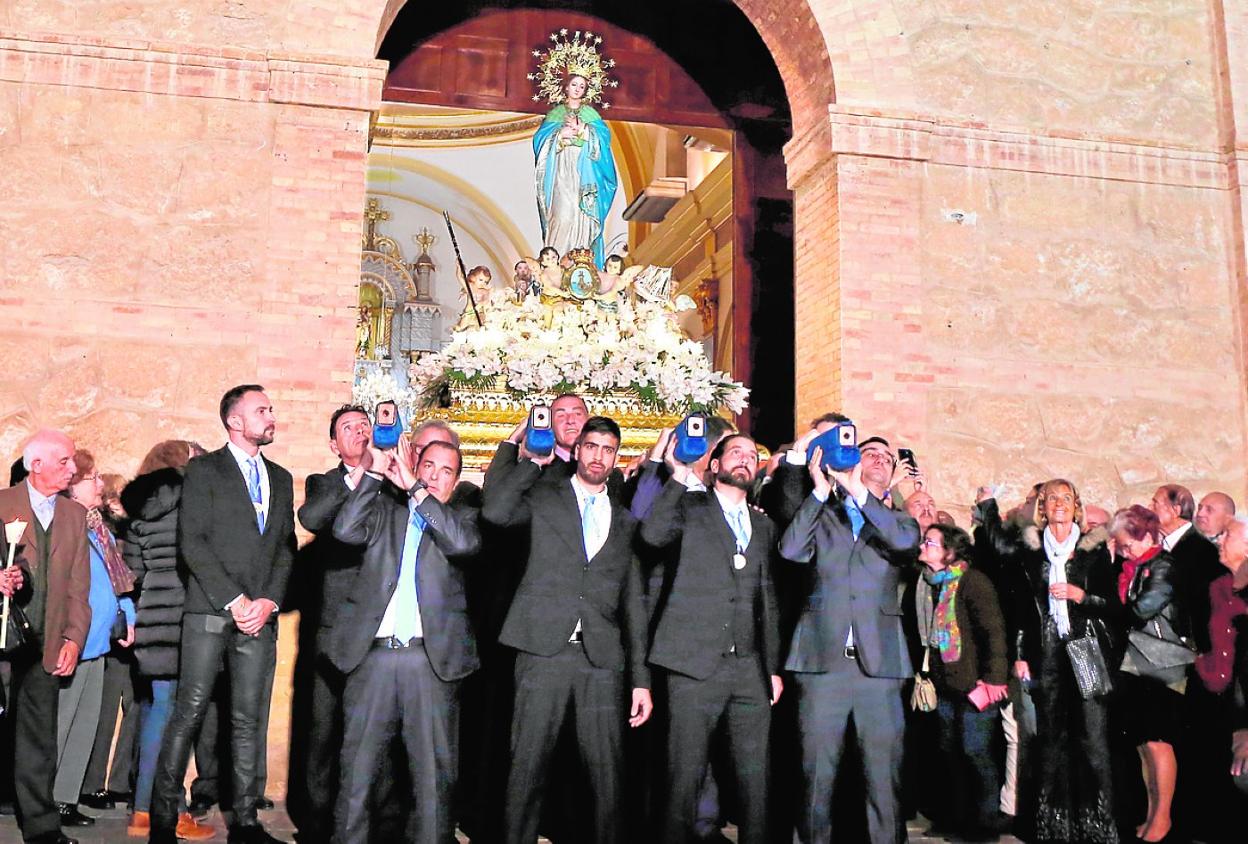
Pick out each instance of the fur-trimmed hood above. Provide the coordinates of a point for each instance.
(1088, 541)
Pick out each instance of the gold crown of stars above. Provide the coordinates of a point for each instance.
(568, 57)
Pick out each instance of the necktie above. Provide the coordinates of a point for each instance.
(589, 528)
(737, 523)
(406, 607)
(856, 520)
(253, 488)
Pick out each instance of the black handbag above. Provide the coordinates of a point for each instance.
(1158, 653)
(19, 629)
(1088, 663)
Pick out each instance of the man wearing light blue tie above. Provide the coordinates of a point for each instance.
(402, 637)
(236, 535)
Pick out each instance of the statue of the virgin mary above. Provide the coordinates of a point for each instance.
(575, 169)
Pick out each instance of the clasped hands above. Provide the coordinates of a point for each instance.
(250, 616)
(11, 581)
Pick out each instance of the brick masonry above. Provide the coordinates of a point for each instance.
(1019, 227)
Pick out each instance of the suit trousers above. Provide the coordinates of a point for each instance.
(548, 690)
(736, 696)
(118, 693)
(312, 795)
(78, 714)
(825, 704)
(208, 641)
(396, 693)
(35, 694)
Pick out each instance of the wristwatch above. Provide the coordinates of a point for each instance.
(418, 485)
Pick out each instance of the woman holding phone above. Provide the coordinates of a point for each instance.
(965, 633)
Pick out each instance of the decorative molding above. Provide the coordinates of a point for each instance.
(419, 136)
(928, 138)
(179, 70)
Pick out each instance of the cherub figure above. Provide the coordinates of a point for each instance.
(479, 279)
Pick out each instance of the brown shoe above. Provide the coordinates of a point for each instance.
(140, 824)
(193, 830)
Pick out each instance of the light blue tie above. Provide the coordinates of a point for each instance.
(737, 523)
(406, 607)
(253, 487)
(856, 519)
(589, 528)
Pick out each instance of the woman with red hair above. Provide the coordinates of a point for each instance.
(1151, 706)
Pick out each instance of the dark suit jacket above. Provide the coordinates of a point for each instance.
(694, 629)
(218, 539)
(376, 516)
(854, 581)
(1196, 566)
(327, 567)
(560, 585)
(67, 614)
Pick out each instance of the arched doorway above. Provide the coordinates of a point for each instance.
(699, 62)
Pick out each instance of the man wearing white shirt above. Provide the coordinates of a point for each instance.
(717, 635)
(236, 535)
(578, 624)
(848, 655)
(1195, 557)
(402, 635)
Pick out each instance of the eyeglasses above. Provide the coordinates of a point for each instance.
(931, 543)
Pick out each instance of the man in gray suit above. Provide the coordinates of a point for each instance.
(848, 655)
(402, 637)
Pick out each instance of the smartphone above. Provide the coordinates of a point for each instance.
(387, 425)
(905, 455)
(539, 436)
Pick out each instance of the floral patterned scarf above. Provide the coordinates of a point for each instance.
(119, 574)
(945, 633)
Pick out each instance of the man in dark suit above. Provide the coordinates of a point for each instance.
(579, 625)
(717, 634)
(402, 637)
(1195, 557)
(327, 569)
(848, 653)
(236, 536)
(49, 581)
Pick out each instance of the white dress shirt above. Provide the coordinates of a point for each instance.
(730, 513)
(43, 506)
(1174, 536)
(386, 628)
(600, 522)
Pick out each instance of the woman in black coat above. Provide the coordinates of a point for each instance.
(1151, 710)
(151, 549)
(1065, 582)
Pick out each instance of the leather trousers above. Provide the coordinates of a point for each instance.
(208, 643)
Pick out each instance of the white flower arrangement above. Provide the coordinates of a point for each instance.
(532, 349)
(375, 386)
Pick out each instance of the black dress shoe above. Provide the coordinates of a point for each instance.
(199, 809)
(7, 807)
(265, 803)
(251, 834)
(101, 800)
(121, 798)
(52, 838)
(70, 816)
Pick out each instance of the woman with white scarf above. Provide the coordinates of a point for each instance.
(1062, 584)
